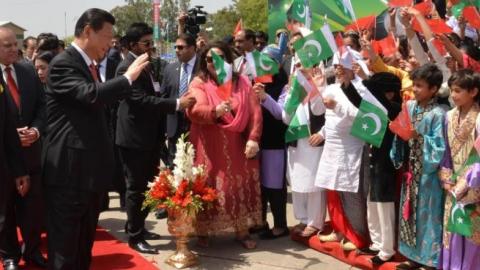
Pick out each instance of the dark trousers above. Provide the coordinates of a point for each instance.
(71, 224)
(172, 149)
(277, 198)
(140, 167)
(26, 212)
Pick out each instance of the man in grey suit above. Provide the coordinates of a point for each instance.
(26, 102)
(175, 84)
(245, 43)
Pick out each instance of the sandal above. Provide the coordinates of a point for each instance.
(308, 231)
(332, 237)
(247, 242)
(299, 228)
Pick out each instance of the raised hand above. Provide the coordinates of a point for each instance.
(137, 66)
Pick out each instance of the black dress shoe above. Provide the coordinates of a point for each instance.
(269, 235)
(150, 235)
(10, 264)
(377, 261)
(142, 246)
(259, 229)
(36, 259)
(161, 213)
(367, 251)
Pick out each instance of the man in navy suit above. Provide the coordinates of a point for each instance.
(26, 102)
(175, 83)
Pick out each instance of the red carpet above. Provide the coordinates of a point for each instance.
(108, 254)
(350, 257)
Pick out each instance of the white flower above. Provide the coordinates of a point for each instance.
(183, 162)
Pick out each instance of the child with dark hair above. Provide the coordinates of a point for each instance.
(459, 174)
(421, 202)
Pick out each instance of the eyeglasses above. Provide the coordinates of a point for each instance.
(180, 47)
(210, 59)
(146, 43)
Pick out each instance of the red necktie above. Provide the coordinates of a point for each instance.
(94, 72)
(12, 87)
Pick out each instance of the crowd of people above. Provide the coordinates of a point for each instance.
(101, 114)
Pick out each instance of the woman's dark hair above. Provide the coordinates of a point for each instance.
(429, 73)
(228, 57)
(46, 56)
(468, 46)
(94, 17)
(136, 31)
(465, 79)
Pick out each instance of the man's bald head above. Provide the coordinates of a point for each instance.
(8, 46)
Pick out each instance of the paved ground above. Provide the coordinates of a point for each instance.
(223, 252)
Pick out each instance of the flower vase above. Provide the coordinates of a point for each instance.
(181, 225)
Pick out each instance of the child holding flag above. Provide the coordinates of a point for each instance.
(459, 174)
(422, 199)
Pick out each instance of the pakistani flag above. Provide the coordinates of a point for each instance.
(460, 220)
(297, 107)
(370, 123)
(298, 11)
(313, 48)
(261, 64)
(346, 7)
(224, 76)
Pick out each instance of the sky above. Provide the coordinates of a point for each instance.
(59, 16)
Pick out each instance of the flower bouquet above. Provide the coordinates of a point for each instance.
(183, 192)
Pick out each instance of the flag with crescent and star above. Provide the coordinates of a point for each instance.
(370, 123)
(262, 66)
(459, 220)
(346, 8)
(314, 48)
(296, 105)
(298, 11)
(224, 76)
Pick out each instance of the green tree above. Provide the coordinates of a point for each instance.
(222, 22)
(254, 13)
(133, 11)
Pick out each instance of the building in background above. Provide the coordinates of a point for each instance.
(19, 31)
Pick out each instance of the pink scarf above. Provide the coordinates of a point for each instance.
(236, 122)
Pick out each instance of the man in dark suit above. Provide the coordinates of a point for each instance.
(78, 157)
(139, 134)
(24, 94)
(175, 84)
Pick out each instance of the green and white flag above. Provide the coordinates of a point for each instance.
(460, 220)
(261, 64)
(370, 123)
(224, 76)
(298, 11)
(313, 48)
(346, 7)
(297, 106)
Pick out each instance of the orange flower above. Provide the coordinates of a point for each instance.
(182, 188)
(160, 190)
(199, 186)
(187, 200)
(210, 195)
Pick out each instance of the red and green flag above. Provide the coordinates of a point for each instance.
(224, 76)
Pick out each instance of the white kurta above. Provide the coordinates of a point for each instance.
(303, 160)
(339, 167)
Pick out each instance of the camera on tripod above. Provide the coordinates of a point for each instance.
(196, 17)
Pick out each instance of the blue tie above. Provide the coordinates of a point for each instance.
(183, 80)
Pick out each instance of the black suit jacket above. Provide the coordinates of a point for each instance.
(79, 150)
(11, 158)
(170, 88)
(31, 113)
(139, 115)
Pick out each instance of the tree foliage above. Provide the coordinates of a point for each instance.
(141, 11)
(133, 11)
(254, 14)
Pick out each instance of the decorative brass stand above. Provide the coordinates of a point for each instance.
(181, 226)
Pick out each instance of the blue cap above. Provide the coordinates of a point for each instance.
(273, 52)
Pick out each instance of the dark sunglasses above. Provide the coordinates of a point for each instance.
(210, 59)
(180, 47)
(146, 43)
